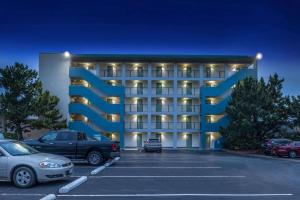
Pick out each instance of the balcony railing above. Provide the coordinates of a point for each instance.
(136, 125)
(110, 73)
(187, 73)
(162, 108)
(136, 73)
(162, 125)
(214, 74)
(162, 91)
(188, 125)
(188, 91)
(163, 73)
(188, 108)
(136, 108)
(135, 91)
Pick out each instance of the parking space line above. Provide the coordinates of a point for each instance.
(20, 194)
(165, 167)
(168, 176)
(173, 195)
(163, 161)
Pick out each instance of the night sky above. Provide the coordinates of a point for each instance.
(221, 27)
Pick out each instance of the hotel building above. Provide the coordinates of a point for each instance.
(179, 99)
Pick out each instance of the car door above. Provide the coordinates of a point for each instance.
(46, 143)
(65, 144)
(3, 165)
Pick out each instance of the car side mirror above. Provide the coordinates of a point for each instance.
(41, 140)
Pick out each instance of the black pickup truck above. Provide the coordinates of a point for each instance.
(76, 145)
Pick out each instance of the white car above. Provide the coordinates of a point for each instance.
(25, 166)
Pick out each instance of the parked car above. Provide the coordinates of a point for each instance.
(1, 136)
(25, 166)
(269, 146)
(76, 145)
(152, 145)
(291, 150)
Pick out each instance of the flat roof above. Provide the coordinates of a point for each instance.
(163, 58)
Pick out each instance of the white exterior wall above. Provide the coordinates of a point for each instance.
(167, 139)
(54, 74)
(130, 139)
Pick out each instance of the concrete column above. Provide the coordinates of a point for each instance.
(175, 107)
(149, 90)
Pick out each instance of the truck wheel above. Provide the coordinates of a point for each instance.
(24, 177)
(292, 154)
(95, 158)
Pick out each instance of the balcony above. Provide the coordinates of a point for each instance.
(136, 91)
(162, 108)
(214, 74)
(162, 125)
(137, 73)
(188, 126)
(136, 125)
(187, 73)
(184, 91)
(165, 73)
(162, 91)
(188, 108)
(136, 108)
(110, 73)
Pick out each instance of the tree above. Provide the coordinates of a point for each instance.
(294, 110)
(257, 111)
(48, 115)
(24, 104)
(21, 86)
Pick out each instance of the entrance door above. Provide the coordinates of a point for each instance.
(158, 71)
(189, 140)
(139, 140)
(139, 122)
(189, 106)
(140, 105)
(188, 122)
(188, 72)
(158, 136)
(158, 122)
(189, 88)
(140, 72)
(139, 88)
(159, 88)
(158, 105)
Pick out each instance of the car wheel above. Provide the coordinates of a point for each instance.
(95, 158)
(292, 154)
(24, 177)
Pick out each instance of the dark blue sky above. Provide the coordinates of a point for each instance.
(156, 26)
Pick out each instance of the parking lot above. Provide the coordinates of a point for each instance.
(177, 175)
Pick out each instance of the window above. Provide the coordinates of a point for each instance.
(66, 136)
(50, 136)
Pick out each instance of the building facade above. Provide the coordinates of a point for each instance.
(179, 99)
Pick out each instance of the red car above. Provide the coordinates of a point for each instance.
(291, 150)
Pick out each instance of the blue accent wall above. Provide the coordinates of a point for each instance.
(98, 107)
(219, 108)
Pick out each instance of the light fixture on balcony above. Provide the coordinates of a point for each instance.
(259, 56)
(184, 135)
(67, 54)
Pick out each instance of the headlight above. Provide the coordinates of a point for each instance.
(46, 164)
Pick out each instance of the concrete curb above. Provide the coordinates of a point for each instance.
(97, 170)
(259, 156)
(49, 197)
(67, 188)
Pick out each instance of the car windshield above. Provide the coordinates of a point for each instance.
(153, 140)
(16, 148)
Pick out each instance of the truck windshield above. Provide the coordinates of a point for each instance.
(15, 148)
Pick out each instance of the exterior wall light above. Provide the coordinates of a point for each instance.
(67, 54)
(259, 56)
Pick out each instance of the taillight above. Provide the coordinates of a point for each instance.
(114, 147)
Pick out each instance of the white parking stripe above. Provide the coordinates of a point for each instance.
(163, 161)
(20, 194)
(166, 167)
(168, 177)
(173, 195)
